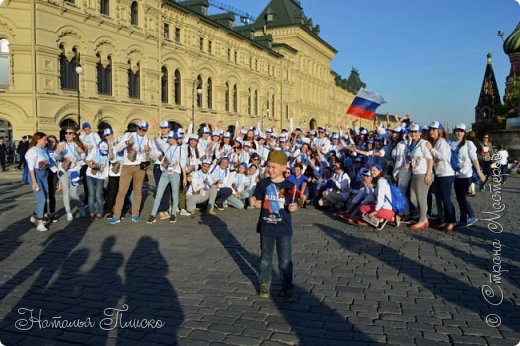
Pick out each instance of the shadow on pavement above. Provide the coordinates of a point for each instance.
(311, 328)
(441, 284)
(150, 295)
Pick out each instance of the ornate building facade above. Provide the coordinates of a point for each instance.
(113, 63)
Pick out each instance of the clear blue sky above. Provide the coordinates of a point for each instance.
(426, 58)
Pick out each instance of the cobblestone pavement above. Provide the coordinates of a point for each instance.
(198, 277)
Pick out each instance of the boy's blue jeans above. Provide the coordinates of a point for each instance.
(285, 264)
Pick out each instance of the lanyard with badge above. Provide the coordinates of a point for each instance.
(171, 166)
(52, 162)
(139, 143)
(72, 150)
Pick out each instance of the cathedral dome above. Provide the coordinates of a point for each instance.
(512, 43)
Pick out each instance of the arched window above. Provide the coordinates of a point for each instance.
(105, 7)
(174, 126)
(267, 108)
(249, 101)
(273, 108)
(134, 14)
(210, 93)
(177, 87)
(226, 98)
(104, 77)
(164, 84)
(199, 96)
(134, 85)
(68, 75)
(256, 103)
(235, 98)
(4, 63)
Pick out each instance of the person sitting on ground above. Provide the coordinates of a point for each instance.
(365, 195)
(382, 208)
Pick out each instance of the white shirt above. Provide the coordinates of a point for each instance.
(70, 152)
(441, 153)
(365, 195)
(102, 163)
(383, 195)
(467, 154)
(419, 155)
(400, 156)
(172, 155)
(239, 179)
(222, 175)
(139, 143)
(91, 141)
(34, 156)
(200, 183)
(504, 155)
(342, 182)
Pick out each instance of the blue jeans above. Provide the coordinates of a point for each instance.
(285, 264)
(443, 187)
(165, 199)
(461, 189)
(95, 188)
(165, 180)
(41, 195)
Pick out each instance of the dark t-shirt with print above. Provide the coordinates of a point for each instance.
(275, 218)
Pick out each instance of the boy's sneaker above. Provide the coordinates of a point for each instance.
(34, 220)
(114, 220)
(184, 212)
(136, 218)
(151, 220)
(219, 206)
(83, 212)
(41, 228)
(211, 213)
(264, 291)
(173, 218)
(471, 221)
(70, 217)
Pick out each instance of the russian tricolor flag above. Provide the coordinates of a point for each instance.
(365, 104)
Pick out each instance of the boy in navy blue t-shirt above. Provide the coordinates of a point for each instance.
(277, 199)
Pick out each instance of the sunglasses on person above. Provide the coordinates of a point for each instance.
(256, 159)
(143, 130)
(69, 133)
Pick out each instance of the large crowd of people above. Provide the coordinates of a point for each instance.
(389, 175)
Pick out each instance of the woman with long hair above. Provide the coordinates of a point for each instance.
(444, 175)
(37, 164)
(467, 156)
(382, 207)
(70, 155)
(52, 178)
(420, 163)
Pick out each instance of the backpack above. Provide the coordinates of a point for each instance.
(398, 201)
(454, 160)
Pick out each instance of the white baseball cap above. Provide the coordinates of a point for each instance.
(164, 125)
(460, 126)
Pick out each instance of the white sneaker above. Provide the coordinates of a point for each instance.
(70, 217)
(34, 220)
(41, 228)
(184, 212)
